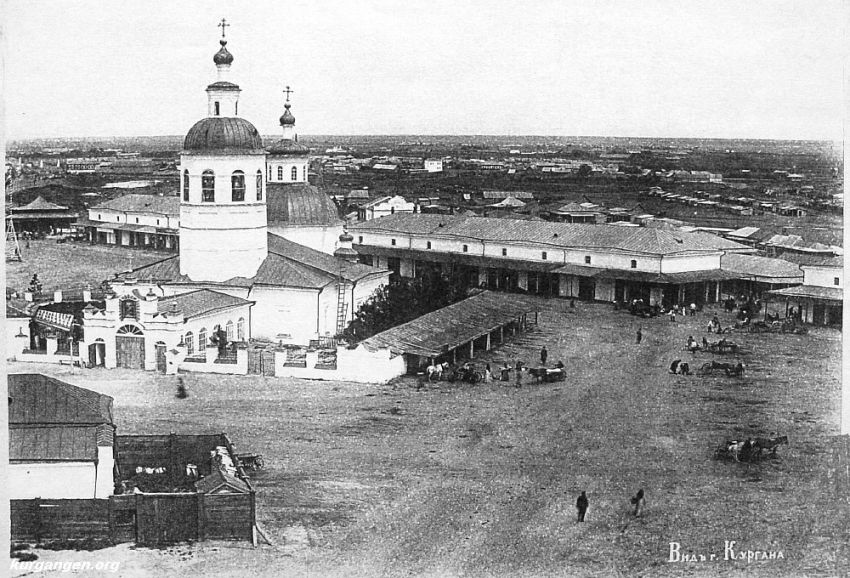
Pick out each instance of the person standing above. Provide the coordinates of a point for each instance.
(543, 355)
(488, 374)
(639, 502)
(638, 336)
(581, 505)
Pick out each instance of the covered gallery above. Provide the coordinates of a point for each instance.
(457, 331)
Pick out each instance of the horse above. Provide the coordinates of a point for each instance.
(770, 444)
(739, 449)
(435, 372)
(674, 367)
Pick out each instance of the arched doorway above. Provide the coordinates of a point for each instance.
(97, 353)
(130, 347)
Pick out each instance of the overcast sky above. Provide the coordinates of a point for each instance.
(672, 68)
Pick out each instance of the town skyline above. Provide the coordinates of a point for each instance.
(768, 71)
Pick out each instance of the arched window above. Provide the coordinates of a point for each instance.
(279, 173)
(129, 330)
(186, 185)
(208, 187)
(190, 343)
(259, 185)
(237, 186)
(202, 339)
(240, 329)
(228, 327)
(294, 173)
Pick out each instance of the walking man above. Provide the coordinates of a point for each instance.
(638, 336)
(543, 355)
(581, 505)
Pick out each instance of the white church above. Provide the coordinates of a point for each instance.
(261, 250)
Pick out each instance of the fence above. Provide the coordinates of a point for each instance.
(38, 519)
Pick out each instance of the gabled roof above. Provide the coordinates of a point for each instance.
(38, 399)
(218, 480)
(199, 302)
(58, 443)
(321, 262)
(40, 204)
(139, 203)
(763, 269)
(636, 239)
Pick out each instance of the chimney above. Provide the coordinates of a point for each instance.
(57, 296)
(86, 295)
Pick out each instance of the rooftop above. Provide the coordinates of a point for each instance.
(635, 239)
(38, 399)
(300, 204)
(139, 203)
(200, 302)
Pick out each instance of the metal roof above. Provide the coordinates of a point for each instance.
(834, 294)
(762, 269)
(58, 442)
(574, 235)
(139, 203)
(299, 204)
(199, 302)
(441, 331)
(38, 399)
(223, 135)
(40, 204)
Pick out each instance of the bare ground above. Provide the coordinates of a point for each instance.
(482, 480)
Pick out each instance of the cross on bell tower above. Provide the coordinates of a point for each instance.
(287, 92)
(223, 25)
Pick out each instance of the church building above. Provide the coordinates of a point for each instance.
(252, 227)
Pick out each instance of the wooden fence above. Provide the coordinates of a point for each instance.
(147, 519)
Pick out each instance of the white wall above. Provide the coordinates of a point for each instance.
(359, 365)
(823, 276)
(676, 264)
(285, 311)
(65, 480)
(322, 239)
(286, 164)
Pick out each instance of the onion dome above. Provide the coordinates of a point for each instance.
(223, 56)
(346, 237)
(223, 134)
(287, 119)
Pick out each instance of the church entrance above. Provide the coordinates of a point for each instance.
(130, 347)
(160, 357)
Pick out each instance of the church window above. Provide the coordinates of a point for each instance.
(237, 186)
(217, 108)
(186, 185)
(294, 173)
(128, 308)
(190, 343)
(202, 339)
(279, 173)
(208, 187)
(240, 329)
(228, 327)
(259, 185)
(466, 248)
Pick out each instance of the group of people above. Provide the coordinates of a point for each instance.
(638, 501)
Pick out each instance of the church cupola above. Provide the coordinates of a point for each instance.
(223, 95)
(344, 249)
(288, 159)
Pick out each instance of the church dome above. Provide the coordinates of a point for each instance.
(223, 134)
(223, 56)
(288, 146)
(287, 118)
(299, 204)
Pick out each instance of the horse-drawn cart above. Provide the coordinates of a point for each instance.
(252, 462)
(547, 375)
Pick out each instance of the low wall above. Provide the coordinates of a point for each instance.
(210, 365)
(358, 365)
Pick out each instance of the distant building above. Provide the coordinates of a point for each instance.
(434, 165)
(385, 206)
(82, 166)
(820, 299)
(135, 220)
(42, 216)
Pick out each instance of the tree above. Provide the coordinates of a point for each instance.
(402, 300)
(35, 285)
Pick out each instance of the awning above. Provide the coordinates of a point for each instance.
(832, 294)
(61, 321)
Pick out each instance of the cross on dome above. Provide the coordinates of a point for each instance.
(288, 92)
(223, 25)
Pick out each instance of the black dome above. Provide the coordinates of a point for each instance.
(223, 56)
(223, 134)
(288, 146)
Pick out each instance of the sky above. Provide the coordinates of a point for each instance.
(654, 68)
